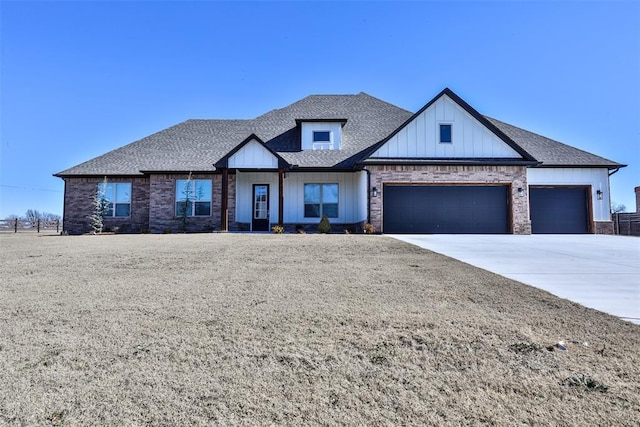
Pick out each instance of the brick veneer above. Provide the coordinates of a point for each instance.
(515, 176)
(603, 227)
(162, 211)
(78, 205)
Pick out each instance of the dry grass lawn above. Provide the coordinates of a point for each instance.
(294, 329)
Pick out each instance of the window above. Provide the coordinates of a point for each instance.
(445, 133)
(118, 197)
(322, 140)
(193, 198)
(320, 199)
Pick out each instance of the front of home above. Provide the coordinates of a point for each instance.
(353, 158)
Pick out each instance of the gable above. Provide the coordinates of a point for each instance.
(420, 137)
(253, 155)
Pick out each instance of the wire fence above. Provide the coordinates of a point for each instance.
(24, 225)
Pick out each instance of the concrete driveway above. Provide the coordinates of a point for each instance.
(601, 272)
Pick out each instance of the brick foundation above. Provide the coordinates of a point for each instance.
(513, 176)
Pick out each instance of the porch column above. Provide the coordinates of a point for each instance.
(224, 214)
(280, 195)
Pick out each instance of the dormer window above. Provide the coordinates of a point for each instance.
(322, 140)
(321, 134)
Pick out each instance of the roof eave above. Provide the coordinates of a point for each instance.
(450, 161)
(608, 166)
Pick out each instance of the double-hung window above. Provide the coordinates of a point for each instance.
(320, 199)
(118, 198)
(193, 197)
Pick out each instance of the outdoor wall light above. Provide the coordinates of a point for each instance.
(374, 192)
(520, 191)
(599, 194)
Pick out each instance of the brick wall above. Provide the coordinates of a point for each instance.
(603, 227)
(637, 190)
(78, 206)
(162, 210)
(515, 176)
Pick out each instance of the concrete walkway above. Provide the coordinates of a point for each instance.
(601, 272)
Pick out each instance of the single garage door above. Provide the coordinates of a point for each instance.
(559, 210)
(445, 209)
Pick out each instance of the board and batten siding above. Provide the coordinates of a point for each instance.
(244, 194)
(352, 196)
(335, 129)
(253, 155)
(352, 201)
(596, 178)
(420, 137)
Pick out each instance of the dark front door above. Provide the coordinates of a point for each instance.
(260, 221)
(447, 209)
(559, 210)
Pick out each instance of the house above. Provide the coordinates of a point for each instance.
(355, 159)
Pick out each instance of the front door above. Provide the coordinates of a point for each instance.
(260, 221)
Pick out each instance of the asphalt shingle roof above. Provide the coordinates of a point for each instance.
(196, 145)
(550, 152)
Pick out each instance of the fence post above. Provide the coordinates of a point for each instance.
(15, 226)
(38, 224)
(57, 226)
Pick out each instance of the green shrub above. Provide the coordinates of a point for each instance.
(325, 226)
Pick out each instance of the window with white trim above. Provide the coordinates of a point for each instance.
(193, 197)
(118, 198)
(446, 133)
(321, 199)
(322, 140)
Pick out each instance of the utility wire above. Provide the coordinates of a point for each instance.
(30, 188)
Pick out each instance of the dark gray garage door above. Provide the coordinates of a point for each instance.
(446, 209)
(559, 210)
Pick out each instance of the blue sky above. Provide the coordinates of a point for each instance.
(81, 78)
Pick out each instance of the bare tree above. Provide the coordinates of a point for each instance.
(47, 216)
(32, 215)
(617, 207)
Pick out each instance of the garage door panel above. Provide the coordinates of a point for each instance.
(445, 209)
(559, 210)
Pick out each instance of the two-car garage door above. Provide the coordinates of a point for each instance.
(449, 209)
(476, 209)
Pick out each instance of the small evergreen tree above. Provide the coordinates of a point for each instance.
(100, 207)
(185, 209)
(325, 226)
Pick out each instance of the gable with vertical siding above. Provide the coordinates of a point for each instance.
(253, 155)
(420, 137)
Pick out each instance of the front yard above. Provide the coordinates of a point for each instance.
(294, 329)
